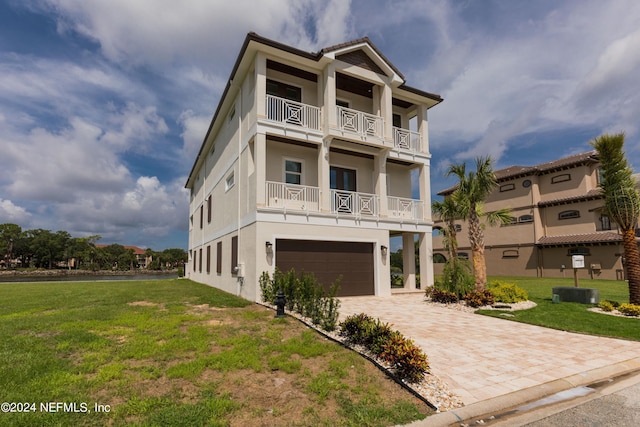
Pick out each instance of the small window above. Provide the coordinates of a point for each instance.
(526, 183)
(219, 258)
(230, 182)
(234, 256)
(569, 214)
(208, 259)
(458, 227)
(439, 258)
(507, 187)
(201, 216)
(561, 178)
(293, 172)
(232, 114)
(397, 120)
(209, 209)
(605, 222)
(200, 260)
(510, 253)
(525, 218)
(463, 255)
(579, 251)
(194, 260)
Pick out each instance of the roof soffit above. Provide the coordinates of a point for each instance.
(348, 52)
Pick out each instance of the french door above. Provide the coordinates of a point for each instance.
(343, 182)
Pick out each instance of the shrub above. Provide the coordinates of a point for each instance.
(456, 277)
(629, 309)
(615, 304)
(479, 298)
(605, 306)
(442, 296)
(507, 292)
(408, 360)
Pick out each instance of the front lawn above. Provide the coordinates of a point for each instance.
(572, 317)
(174, 352)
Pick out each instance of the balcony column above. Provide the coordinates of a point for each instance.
(382, 106)
(260, 164)
(329, 99)
(423, 128)
(408, 261)
(380, 176)
(424, 181)
(324, 179)
(261, 85)
(426, 256)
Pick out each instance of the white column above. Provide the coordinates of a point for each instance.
(380, 176)
(425, 191)
(426, 260)
(329, 98)
(261, 85)
(260, 164)
(423, 127)
(408, 261)
(324, 179)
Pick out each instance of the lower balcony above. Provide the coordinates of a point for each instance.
(399, 207)
(293, 197)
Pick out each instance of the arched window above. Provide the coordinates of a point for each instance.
(439, 258)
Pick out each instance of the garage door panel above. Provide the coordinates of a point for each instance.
(328, 260)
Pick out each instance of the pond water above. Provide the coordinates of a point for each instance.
(84, 278)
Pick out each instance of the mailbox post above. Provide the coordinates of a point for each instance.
(577, 261)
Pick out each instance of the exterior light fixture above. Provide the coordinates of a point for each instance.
(384, 249)
(268, 245)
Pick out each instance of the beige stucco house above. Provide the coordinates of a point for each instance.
(310, 162)
(556, 213)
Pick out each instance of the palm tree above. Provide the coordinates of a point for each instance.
(448, 211)
(473, 189)
(621, 203)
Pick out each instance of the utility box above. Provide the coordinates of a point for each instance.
(577, 261)
(581, 295)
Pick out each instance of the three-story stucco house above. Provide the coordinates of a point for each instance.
(557, 212)
(312, 161)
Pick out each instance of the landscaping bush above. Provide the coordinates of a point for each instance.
(441, 296)
(507, 292)
(629, 309)
(479, 298)
(456, 277)
(605, 306)
(304, 295)
(615, 304)
(406, 359)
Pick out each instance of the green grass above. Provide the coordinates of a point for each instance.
(572, 317)
(174, 352)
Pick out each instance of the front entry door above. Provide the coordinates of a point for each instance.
(344, 181)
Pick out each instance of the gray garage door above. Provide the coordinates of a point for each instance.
(329, 260)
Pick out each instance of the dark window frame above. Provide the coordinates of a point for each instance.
(561, 178)
(208, 259)
(525, 218)
(200, 261)
(569, 214)
(209, 206)
(234, 256)
(219, 258)
(507, 187)
(510, 253)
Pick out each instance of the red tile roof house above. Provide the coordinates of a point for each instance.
(556, 213)
(141, 255)
(308, 164)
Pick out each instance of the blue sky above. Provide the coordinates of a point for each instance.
(104, 104)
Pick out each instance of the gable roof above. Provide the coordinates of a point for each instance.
(246, 53)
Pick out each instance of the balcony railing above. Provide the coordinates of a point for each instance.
(406, 139)
(405, 208)
(350, 202)
(358, 122)
(293, 197)
(293, 113)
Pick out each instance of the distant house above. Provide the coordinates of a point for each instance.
(557, 213)
(312, 161)
(142, 258)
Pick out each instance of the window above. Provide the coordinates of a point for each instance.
(200, 260)
(600, 176)
(219, 258)
(208, 259)
(201, 216)
(209, 209)
(232, 114)
(510, 253)
(507, 187)
(293, 172)
(397, 120)
(561, 178)
(525, 218)
(463, 255)
(229, 182)
(569, 214)
(579, 251)
(341, 103)
(283, 90)
(437, 231)
(458, 227)
(194, 261)
(439, 258)
(234, 256)
(526, 183)
(605, 221)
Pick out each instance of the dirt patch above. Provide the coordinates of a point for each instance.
(147, 304)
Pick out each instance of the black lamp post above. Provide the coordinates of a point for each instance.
(280, 302)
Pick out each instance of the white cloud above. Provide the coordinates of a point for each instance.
(134, 124)
(11, 213)
(194, 130)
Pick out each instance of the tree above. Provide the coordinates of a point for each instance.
(473, 189)
(621, 203)
(448, 211)
(9, 241)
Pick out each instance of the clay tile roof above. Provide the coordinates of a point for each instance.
(572, 239)
(589, 156)
(589, 195)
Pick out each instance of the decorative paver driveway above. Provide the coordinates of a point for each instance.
(481, 357)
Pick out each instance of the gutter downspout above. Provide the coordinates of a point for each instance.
(239, 273)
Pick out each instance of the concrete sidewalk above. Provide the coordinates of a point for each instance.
(494, 361)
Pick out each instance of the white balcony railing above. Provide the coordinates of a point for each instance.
(405, 208)
(363, 124)
(292, 197)
(406, 139)
(350, 202)
(293, 113)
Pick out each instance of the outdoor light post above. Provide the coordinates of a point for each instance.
(280, 302)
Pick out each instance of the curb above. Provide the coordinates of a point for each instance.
(511, 401)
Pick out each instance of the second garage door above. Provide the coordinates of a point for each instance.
(328, 260)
